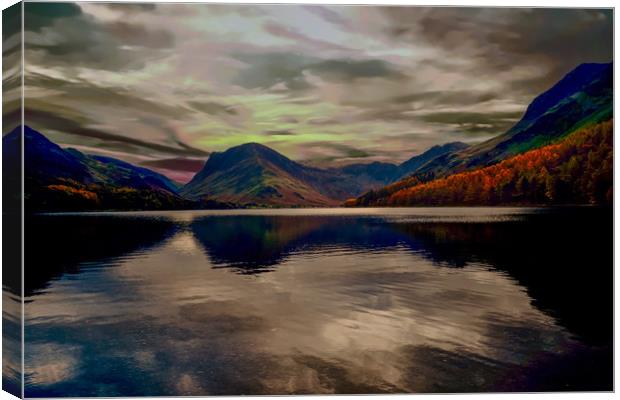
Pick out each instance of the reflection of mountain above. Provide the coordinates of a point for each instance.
(254, 244)
(51, 248)
(527, 250)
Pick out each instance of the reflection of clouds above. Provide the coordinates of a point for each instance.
(189, 386)
(11, 342)
(145, 359)
(53, 364)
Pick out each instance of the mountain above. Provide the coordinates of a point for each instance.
(66, 179)
(578, 169)
(583, 97)
(254, 174)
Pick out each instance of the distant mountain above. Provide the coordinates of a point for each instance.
(584, 96)
(370, 174)
(66, 179)
(383, 173)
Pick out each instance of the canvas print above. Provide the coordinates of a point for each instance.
(228, 199)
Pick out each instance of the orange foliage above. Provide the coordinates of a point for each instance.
(73, 191)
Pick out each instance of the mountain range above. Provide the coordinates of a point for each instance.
(254, 175)
(248, 175)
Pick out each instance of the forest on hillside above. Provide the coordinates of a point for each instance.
(575, 170)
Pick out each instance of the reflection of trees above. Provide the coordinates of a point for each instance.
(59, 244)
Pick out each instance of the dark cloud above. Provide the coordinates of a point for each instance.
(455, 97)
(87, 93)
(41, 15)
(387, 115)
(131, 8)
(475, 123)
(470, 117)
(551, 41)
(349, 70)
(289, 120)
(138, 35)
(268, 69)
(11, 23)
(212, 108)
(44, 121)
(290, 33)
(344, 150)
(81, 40)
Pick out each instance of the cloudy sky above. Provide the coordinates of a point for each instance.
(163, 85)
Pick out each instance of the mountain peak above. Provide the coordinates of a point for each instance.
(244, 152)
(250, 145)
(28, 131)
(253, 148)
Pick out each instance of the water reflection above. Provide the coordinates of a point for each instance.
(294, 302)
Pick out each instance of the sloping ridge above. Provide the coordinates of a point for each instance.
(57, 178)
(583, 96)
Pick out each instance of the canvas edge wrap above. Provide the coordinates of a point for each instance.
(12, 200)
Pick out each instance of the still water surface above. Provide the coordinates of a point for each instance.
(318, 301)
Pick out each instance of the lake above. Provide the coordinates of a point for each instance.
(318, 301)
